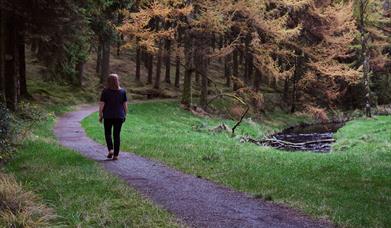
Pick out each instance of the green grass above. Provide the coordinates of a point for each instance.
(350, 186)
(80, 191)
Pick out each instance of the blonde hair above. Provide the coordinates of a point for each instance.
(113, 82)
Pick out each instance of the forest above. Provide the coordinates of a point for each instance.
(286, 103)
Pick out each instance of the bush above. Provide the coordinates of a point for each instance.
(14, 128)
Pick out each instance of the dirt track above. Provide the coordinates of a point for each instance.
(197, 202)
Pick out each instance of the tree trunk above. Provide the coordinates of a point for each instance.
(2, 40)
(248, 61)
(119, 42)
(204, 81)
(158, 67)
(213, 42)
(80, 72)
(187, 93)
(221, 45)
(120, 36)
(177, 70)
(257, 80)
(99, 57)
(197, 63)
(250, 68)
(150, 68)
(286, 89)
(235, 70)
(22, 65)
(201, 61)
(138, 63)
(105, 60)
(144, 58)
(365, 58)
(167, 58)
(241, 56)
(10, 72)
(197, 78)
(294, 93)
(227, 70)
(299, 70)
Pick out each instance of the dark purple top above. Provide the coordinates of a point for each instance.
(114, 100)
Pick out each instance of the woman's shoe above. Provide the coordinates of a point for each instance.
(115, 158)
(110, 155)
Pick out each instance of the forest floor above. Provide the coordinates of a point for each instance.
(198, 202)
(349, 186)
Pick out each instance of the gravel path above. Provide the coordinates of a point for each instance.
(197, 202)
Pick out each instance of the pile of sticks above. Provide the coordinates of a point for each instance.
(277, 143)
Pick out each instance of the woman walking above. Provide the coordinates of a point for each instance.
(113, 108)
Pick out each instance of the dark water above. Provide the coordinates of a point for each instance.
(315, 137)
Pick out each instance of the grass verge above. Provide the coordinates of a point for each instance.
(350, 186)
(79, 191)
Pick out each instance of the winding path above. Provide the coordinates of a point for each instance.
(197, 202)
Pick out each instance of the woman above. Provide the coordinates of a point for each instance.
(113, 108)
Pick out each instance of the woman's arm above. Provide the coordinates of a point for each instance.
(101, 107)
(125, 104)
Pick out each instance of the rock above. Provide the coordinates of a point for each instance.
(221, 128)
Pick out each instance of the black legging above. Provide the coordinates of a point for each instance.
(116, 124)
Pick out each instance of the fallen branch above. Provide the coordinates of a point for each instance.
(284, 144)
(238, 99)
(277, 141)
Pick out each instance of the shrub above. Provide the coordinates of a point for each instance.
(30, 112)
(15, 127)
(5, 132)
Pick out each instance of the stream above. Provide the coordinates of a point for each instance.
(306, 137)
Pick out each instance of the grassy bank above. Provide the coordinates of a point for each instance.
(350, 186)
(79, 191)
